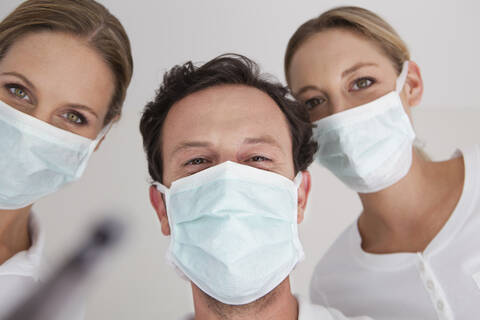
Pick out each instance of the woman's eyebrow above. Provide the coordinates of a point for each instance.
(82, 107)
(21, 76)
(356, 67)
(303, 89)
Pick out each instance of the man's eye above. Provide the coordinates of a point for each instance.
(259, 158)
(196, 161)
(313, 102)
(18, 92)
(75, 118)
(362, 84)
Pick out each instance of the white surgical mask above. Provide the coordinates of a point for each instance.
(233, 230)
(368, 147)
(36, 158)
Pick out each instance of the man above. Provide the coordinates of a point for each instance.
(228, 151)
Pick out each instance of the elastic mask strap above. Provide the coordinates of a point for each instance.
(91, 148)
(100, 136)
(160, 187)
(298, 179)
(163, 189)
(402, 77)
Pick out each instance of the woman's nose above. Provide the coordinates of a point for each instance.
(337, 104)
(340, 103)
(41, 114)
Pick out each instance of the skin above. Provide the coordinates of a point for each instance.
(336, 70)
(43, 74)
(230, 123)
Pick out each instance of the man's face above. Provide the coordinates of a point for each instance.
(225, 123)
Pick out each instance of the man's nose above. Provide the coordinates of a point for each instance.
(228, 156)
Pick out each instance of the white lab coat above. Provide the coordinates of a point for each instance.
(23, 273)
(20, 274)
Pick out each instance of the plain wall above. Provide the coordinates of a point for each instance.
(137, 283)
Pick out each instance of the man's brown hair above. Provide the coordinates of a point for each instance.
(228, 69)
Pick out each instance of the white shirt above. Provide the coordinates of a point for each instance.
(309, 311)
(443, 282)
(23, 273)
(20, 274)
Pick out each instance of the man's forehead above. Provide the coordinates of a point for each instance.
(223, 105)
(243, 112)
(221, 94)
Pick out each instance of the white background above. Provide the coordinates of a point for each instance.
(136, 283)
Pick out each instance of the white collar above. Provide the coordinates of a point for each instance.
(27, 262)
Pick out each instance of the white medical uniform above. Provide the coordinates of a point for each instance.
(23, 273)
(442, 282)
(20, 274)
(309, 311)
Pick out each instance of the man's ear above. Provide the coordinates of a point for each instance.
(158, 204)
(303, 192)
(413, 88)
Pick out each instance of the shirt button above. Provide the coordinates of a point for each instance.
(430, 284)
(440, 305)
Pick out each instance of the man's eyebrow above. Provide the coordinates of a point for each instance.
(21, 76)
(266, 139)
(356, 67)
(191, 144)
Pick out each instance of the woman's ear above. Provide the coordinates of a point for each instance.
(303, 192)
(413, 88)
(156, 199)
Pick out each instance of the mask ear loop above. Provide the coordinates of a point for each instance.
(160, 187)
(92, 147)
(100, 136)
(298, 179)
(165, 191)
(402, 77)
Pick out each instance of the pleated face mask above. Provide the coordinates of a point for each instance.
(368, 147)
(36, 158)
(233, 230)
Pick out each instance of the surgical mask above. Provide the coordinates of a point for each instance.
(233, 230)
(368, 147)
(37, 158)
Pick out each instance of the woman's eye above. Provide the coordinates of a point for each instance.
(196, 161)
(18, 92)
(74, 117)
(313, 102)
(362, 84)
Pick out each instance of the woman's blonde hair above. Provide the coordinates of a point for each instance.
(358, 20)
(85, 19)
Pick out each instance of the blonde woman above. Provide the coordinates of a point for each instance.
(413, 252)
(64, 70)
